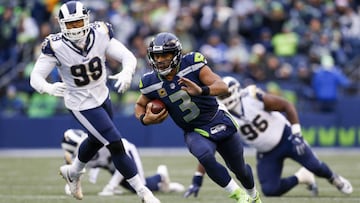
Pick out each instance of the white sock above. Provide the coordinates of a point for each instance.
(251, 192)
(77, 166)
(115, 179)
(93, 174)
(136, 182)
(231, 186)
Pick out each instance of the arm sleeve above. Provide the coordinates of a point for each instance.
(43, 66)
(119, 52)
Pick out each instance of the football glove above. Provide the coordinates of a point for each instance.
(56, 89)
(297, 140)
(194, 187)
(298, 143)
(123, 81)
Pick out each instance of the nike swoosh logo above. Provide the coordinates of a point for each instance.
(68, 175)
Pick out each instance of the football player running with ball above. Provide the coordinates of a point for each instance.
(275, 137)
(188, 88)
(79, 53)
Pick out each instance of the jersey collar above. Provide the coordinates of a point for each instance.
(89, 43)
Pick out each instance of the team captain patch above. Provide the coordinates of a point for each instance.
(162, 92)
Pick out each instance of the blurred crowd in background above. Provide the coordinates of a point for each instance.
(306, 51)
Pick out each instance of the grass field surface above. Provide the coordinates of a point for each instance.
(35, 179)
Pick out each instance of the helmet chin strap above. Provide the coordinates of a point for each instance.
(165, 71)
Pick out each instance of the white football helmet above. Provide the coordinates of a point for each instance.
(232, 99)
(74, 11)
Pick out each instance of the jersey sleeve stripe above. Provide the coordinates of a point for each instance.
(151, 88)
(190, 69)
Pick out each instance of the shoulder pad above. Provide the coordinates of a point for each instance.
(46, 47)
(198, 57)
(146, 77)
(195, 57)
(255, 92)
(103, 27)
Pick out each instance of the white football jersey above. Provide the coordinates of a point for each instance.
(83, 70)
(258, 128)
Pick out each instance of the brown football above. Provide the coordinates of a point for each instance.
(157, 106)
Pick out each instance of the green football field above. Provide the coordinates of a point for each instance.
(35, 179)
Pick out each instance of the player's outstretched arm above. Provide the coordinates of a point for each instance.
(276, 103)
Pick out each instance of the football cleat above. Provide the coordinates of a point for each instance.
(72, 181)
(313, 188)
(67, 189)
(304, 176)
(110, 191)
(256, 199)
(240, 196)
(147, 196)
(342, 184)
(176, 187)
(164, 185)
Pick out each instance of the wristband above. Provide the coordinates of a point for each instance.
(197, 180)
(205, 90)
(295, 128)
(142, 119)
(197, 173)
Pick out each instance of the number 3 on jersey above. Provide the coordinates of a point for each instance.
(84, 73)
(186, 104)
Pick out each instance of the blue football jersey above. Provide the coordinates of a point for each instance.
(187, 111)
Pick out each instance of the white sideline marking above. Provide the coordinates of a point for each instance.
(157, 152)
(34, 197)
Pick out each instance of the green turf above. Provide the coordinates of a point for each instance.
(36, 180)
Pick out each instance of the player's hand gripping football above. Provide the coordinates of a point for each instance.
(195, 186)
(123, 81)
(152, 118)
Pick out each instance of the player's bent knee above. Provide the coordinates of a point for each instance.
(270, 191)
(116, 147)
(205, 156)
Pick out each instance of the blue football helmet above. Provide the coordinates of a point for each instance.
(164, 43)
